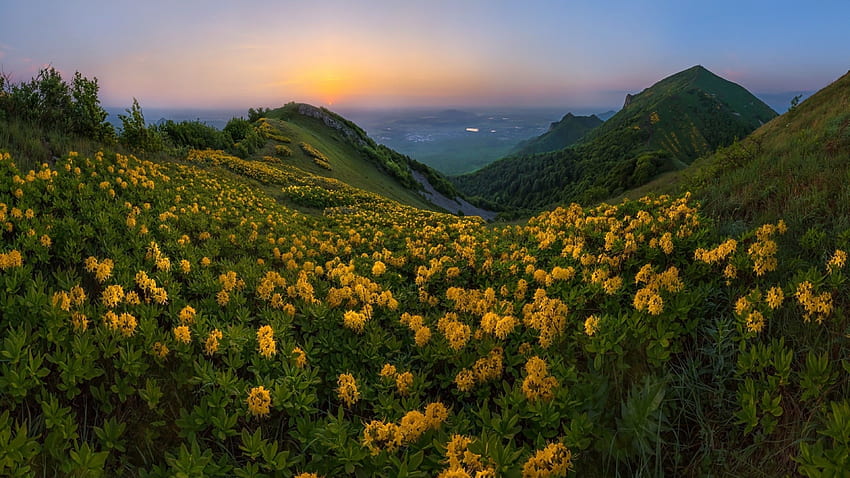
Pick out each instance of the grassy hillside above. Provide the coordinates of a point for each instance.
(663, 128)
(353, 157)
(794, 168)
(561, 134)
(209, 315)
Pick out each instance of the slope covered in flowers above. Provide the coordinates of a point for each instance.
(163, 319)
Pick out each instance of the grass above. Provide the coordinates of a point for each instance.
(347, 164)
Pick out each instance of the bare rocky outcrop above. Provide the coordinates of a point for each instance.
(455, 205)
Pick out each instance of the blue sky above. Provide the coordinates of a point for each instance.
(386, 53)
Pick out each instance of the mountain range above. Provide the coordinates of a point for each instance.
(665, 127)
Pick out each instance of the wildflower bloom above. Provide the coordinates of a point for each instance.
(538, 384)
(259, 400)
(347, 389)
(378, 268)
(554, 460)
(837, 261)
(159, 350)
(591, 325)
(403, 383)
(465, 380)
(355, 321)
(265, 341)
(182, 334)
(212, 343)
(187, 315)
(300, 357)
(774, 297)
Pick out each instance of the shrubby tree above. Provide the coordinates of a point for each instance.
(135, 133)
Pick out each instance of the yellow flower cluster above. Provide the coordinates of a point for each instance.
(554, 460)
(538, 384)
(818, 306)
(355, 321)
(774, 298)
(265, 341)
(182, 334)
(648, 298)
(347, 389)
(213, 341)
(546, 315)
(837, 261)
(112, 296)
(719, 253)
(187, 315)
(591, 325)
(484, 369)
(124, 323)
(11, 259)
(307, 475)
(456, 332)
(763, 251)
(151, 290)
(259, 401)
(300, 357)
(161, 261)
(102, 270)
(421, 333)
(378, 268)
(389, 436)
(498, 325)
(79, 321)
(159, 350)
(464, 463)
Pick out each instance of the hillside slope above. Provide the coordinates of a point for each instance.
(663, 128)
(323, 143)
(561, 134)
(793, 168)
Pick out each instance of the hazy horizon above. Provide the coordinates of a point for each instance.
(389, 54)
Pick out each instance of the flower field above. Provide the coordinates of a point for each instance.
(194, 318)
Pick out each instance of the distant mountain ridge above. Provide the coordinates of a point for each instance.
(665, 127)
(561, 134)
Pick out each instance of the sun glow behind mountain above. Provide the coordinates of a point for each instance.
(381, 53)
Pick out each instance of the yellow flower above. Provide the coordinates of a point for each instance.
(265, 341)
(300, 357)
(182, 334)
(755, 321)
(774, 297)
(187, 315)
(347, 389)
(839, 258)
(403, 383)
(112, 296)
(79, 321)
(222, 298)
(388, 371)
(45, 240)
(554, 460)
(591, 325)
(354, 321)
(212, 342)
(422, 336)
(378, 268)
(160, 350)
(259, 400)
(465, 380)
(185, 266)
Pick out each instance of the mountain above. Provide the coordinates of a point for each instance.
(561, 134)
(606, 115)
(665, 127)
(793, 168)
(324, 143)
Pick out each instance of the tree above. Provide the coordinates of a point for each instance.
(135, 133)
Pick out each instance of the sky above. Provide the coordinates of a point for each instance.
(419, 53)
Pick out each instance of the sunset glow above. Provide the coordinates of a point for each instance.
(385, 53)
